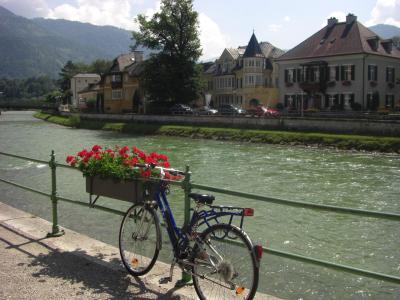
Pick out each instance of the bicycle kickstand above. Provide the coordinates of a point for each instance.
(171, 270)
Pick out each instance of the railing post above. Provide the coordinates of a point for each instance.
(53, 197)
(186, 278)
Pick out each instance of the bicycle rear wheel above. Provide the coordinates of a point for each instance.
(139, 239)
(225, 265)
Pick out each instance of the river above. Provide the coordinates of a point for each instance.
(352, 179)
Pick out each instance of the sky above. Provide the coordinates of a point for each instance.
(222, 23)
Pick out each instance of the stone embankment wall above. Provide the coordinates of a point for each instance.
(355, 126)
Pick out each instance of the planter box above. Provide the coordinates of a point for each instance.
(132, 190)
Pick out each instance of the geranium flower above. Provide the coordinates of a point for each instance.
(96, 148)
(69, 158)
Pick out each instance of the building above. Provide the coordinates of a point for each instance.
(245, 76)
(80, 82)
(344, 66)
(119, 89)
(88, 96)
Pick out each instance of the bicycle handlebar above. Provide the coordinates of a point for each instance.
(169, 170)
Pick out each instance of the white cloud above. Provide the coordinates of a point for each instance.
(26, 8)
(274, 27)
(385, 12)
(213, 41)
(286, 19)
(106, 12)
(340, 15)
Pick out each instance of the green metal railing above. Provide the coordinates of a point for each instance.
(187, 186)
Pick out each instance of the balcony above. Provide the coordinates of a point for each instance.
(311, 87)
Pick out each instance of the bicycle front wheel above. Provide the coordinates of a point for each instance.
(225, 265)
(139, 239)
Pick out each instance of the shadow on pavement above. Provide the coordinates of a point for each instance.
(78, 267)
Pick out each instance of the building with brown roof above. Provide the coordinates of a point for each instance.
(343, 66)
(244, 76)
(119, 89)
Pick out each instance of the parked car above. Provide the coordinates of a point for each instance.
(229, 109)
(180, 109)
(272, 112)
(205, 110)
(262, 111)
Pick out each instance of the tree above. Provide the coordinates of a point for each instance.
(171, 74)
(64, 82)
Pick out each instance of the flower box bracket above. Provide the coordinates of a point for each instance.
(92, 201)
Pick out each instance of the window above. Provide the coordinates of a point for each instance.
(249, 80)
(389, 101)
(116, 94)
(347, 72)
(116, 78)
(290, 75)
(333, 73)
(372, 72)
(315, 74)
(390, 74)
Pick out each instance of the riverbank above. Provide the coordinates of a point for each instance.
(340, 141)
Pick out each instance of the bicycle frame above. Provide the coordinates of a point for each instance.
(178, 236)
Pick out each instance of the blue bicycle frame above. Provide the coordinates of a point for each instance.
(179, 237)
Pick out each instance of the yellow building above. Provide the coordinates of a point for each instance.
(120, 92)
(245, 77)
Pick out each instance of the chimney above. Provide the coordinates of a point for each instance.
(350, 18)
(332, 21)
(138, 55)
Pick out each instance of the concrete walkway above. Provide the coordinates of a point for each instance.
(73, 266)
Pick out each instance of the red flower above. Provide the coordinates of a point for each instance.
(96, 148)
(108, 150)
(69, 158)
(165, 164)
(73, 162)
(150, 160)
(162, 157)
(97, 156)
(123, 150)
(82, 153)
(135, 150)
(145, 173)
(142, 155)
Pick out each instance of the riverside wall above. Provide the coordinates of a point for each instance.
(339, 125)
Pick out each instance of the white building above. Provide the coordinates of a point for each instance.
(80, 82)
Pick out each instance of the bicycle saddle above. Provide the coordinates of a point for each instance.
(205, 199)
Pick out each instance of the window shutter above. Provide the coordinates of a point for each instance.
(342, 73)
(341, 104)
(286, 75)
(353, 71)
(286, 100)
(393, 75)
(376, 73)
(294, 75)
(337, 73)
(369, 73)
(326, 100)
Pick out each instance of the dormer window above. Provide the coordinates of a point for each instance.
(387, 45)
(373, 43)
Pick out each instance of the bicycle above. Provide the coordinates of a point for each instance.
(221, 260)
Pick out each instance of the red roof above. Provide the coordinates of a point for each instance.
(339, 39)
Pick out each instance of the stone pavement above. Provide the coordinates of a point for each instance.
(73, 266)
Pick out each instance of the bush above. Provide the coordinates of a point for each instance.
(356, 106)
(74, 120)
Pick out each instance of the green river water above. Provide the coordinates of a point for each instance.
(351, 179)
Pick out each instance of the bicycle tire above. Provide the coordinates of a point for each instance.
(238, 267)
(139, 247)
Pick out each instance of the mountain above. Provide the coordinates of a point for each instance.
(386, 31)
(42, 46)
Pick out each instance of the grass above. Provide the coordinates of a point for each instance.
(341, 141)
